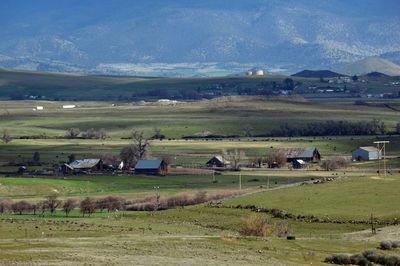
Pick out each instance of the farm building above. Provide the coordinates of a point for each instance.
(299, 164)
(308, 155)
(70, 106)
(151, 167)
(218, 161)
(366, 154)
(87, 165)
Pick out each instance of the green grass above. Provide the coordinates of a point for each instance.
(349, 198)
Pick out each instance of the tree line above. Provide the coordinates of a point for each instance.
(87, 206)
(330, 128)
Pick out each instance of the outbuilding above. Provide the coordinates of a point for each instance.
(308, 155)
(299, 164)
(218, 161)
(151, 167)
(367, 153)
(87, 165)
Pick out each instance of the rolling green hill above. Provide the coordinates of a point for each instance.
(19, 85)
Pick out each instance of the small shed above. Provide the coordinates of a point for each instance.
(366, 154)
(309, 155)
(299, 164)
(87, 165)
(151, 167)
(218, 161)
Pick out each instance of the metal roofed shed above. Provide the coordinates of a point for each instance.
(151, 167)
(367, 153)
(310, 154)
(87, 165)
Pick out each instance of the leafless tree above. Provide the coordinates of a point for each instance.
(73, 133)
(21, 206)
(87, 206)
(91, 133)
(141, 143)
(137, 151)
(69, 205)
(247, 131)
(5, 205)
(334, 164)
(128, 156)
(5, 136)
(235, 157)
(257, 161)
(276, 159)
(111, 159)
(102, 134)
(52, 203)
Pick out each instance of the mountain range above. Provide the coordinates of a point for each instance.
(166, 36)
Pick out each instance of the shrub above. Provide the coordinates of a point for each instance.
(386, 245)
(341, 259)
(359, 259)
(255, 226)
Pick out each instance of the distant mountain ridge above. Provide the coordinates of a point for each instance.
(90, 36)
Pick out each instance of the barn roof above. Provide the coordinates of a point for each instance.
(148, 164)
(369, 149)
(221, 159)
(298, 152)
(85, 163)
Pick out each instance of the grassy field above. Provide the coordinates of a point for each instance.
(220, 116)
(198, 235)
(226, 116)
(195, 235)
(372, 195)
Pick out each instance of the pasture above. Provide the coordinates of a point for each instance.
(199, 234)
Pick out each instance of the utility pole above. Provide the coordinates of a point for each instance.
(381, 151)
(240, 181)
(267, 182)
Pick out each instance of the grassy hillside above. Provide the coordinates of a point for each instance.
(354, 198)
(21, 85)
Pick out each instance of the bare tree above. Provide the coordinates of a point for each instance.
(73, 133)
(69, 205)
(235, 157)
(21, 206)
(111, 159)
(247, 131)
(5, 136)
(276, 159)
(128, 156)
(91, 133)
(87, 206)
(137, 151)
(102, 134)
(52, 203)
(141, 143)
(257, 161)
(5, 205)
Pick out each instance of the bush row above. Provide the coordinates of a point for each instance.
(367, 257)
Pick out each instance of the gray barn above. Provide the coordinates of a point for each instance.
(366, 154)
